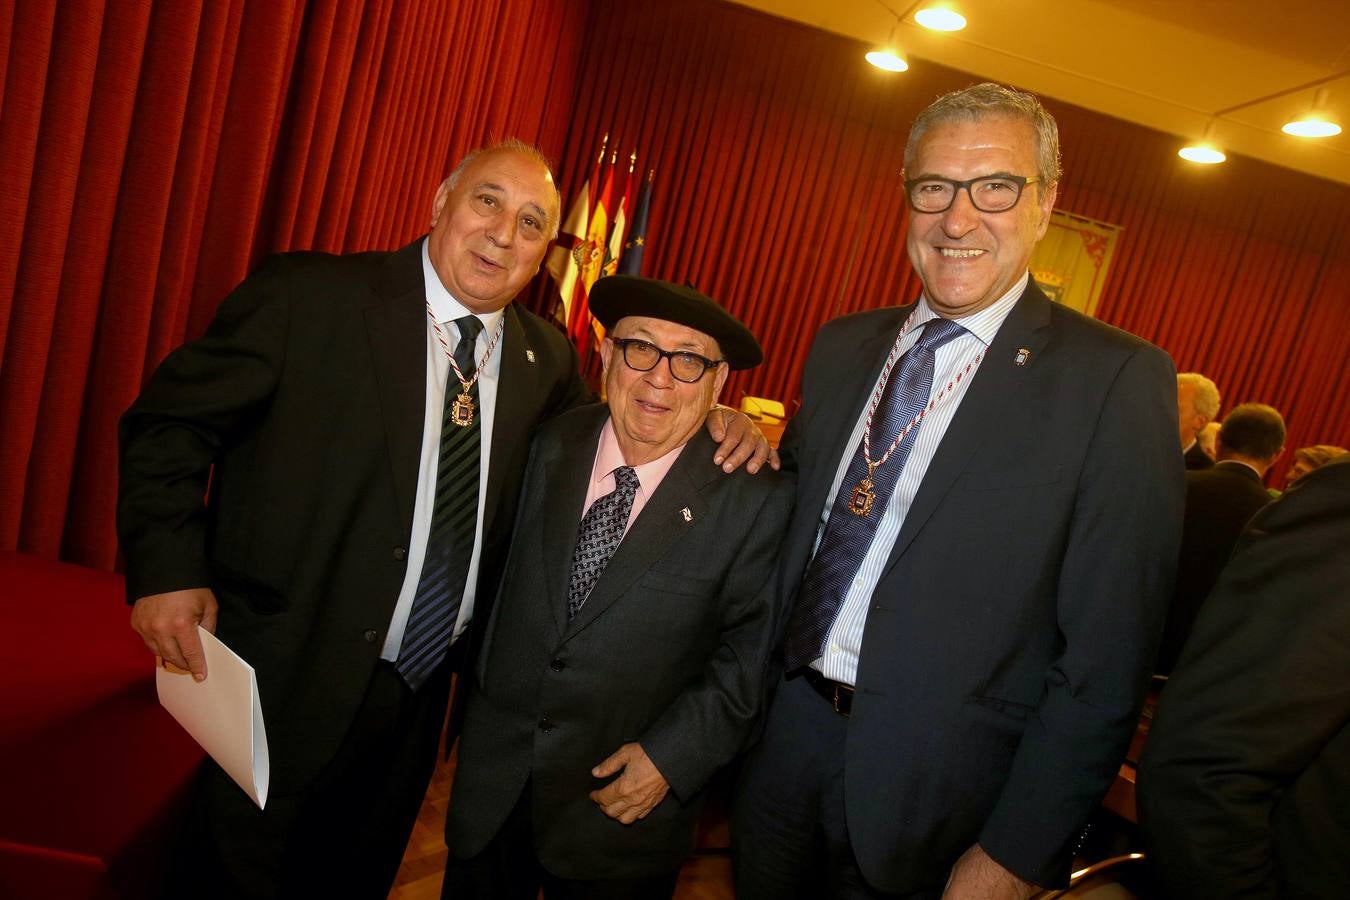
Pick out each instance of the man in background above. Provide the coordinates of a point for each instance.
(1197, 406)
(975, 596)
(1219, 503)
(1245, 780)
(362, 424)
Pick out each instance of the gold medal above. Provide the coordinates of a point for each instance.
(860, 503)
(461, 411)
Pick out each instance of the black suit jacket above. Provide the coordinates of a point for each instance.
(304, 404)
(1219, 503)
(1014, 628)
(1197, 460)
(1245, 781)
(669, 650)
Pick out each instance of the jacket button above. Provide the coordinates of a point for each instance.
(546, 724)
(557, 665)
(370, 635)
(400, 553)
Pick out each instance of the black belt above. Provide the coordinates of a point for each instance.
(836, 693)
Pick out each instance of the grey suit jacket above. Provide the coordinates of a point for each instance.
(669, 650)
(1012, 632)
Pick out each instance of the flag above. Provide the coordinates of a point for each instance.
(562, 261)
(631, 263)
(590, 258)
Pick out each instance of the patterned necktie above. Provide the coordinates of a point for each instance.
(600, 532)
(848, 536)
(454, 520)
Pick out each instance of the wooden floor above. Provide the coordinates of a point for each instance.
(705, 877)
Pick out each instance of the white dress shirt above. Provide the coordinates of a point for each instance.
(446, 309)
(844, 641)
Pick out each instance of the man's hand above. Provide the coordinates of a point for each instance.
(168, 625)
(977, 877)
(740, 440)
(634, 793)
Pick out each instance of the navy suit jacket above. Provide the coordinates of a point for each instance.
(1013, 630)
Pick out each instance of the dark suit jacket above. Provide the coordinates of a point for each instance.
(1014, 628)
(1197, 460)
(669, 650)
(1245, 781)
(307, 395)
(1219, 503)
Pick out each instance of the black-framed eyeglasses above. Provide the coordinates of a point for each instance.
(988, 193)
(642, 356)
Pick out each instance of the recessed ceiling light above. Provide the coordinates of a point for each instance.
(939, 18)
(1311, 127)
(1205, 154)
(887, 59)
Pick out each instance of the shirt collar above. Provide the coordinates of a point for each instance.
(985, 323)
(609, 457)
(443, 304)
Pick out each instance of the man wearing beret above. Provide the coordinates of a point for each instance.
(624, 661)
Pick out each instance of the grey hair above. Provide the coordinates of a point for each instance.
(524, 148)
(987, 101)
(1206, 393)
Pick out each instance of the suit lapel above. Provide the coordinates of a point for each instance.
(662, 522)
(983, 410)
(517, 386)
(396, 330)
(566, 479)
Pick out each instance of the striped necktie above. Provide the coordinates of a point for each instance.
(454, 520)
(847, 536)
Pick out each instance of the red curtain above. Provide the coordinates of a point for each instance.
(778, 154)
(153, 152)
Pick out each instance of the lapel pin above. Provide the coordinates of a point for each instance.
(529, 354)
(688, 516)
(1022, 356)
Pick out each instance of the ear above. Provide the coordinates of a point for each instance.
(723, 370)
(438, 204)
(606, 354)
(1048, 197)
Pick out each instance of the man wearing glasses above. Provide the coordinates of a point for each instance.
(624, 661)
(988, 504)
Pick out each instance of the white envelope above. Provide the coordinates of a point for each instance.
(222, 714)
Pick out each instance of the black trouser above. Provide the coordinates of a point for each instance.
(508, 869)
(342, 835)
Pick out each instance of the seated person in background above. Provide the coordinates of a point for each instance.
(1197, 406)
(1245, 780)
(1206, 436)
(1219, 502)
(1306, 459)
(624, 663)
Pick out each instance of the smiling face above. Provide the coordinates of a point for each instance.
(968, 259)
(490, 231)
(653, 412)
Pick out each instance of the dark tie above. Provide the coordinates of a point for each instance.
(454, 519)
(848, 536)
(599, 534)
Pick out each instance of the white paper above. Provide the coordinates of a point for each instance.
(222, 714)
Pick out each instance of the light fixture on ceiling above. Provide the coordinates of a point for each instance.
(940, 18)
(888, 58)
(1203, 151)
(1315, 123)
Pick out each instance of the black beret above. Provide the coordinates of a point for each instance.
(617, 296)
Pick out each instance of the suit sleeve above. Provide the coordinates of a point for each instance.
(707, 724)
(202, 395)
(1262, 686)
(1116, 576)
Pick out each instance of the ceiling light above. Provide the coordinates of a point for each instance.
(940, 18)
(1205, 154)
(888, 60)
(1314, 124)
(1311, 127)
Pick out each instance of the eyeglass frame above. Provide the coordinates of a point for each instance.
(668, 355)
(1020, 180)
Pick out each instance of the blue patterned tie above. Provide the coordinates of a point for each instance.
(848, 536)
(454, 522)
(600, 532)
